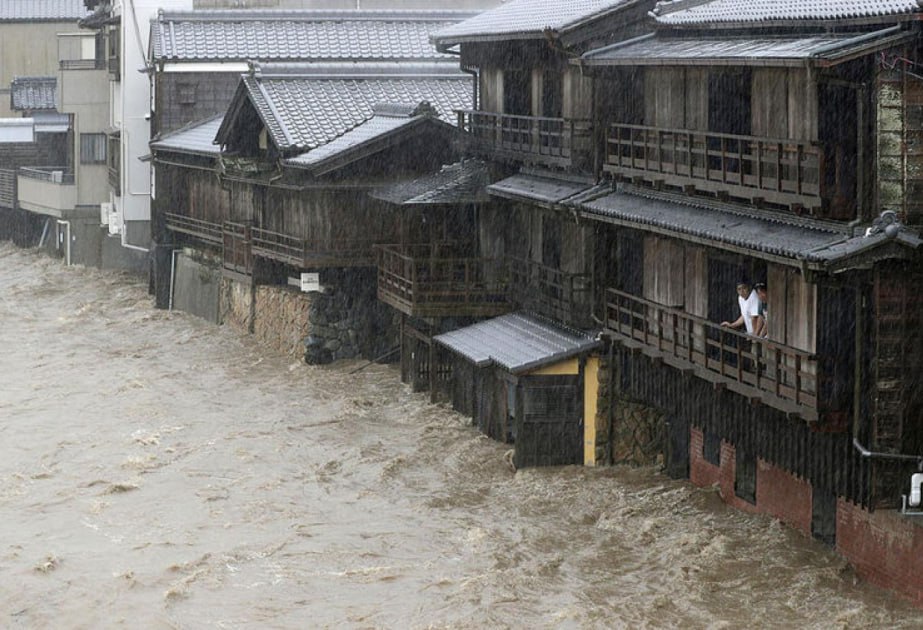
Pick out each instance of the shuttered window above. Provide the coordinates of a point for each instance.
(92, 148)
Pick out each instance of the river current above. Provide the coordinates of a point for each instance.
(157, 471)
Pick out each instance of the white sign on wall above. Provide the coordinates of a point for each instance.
(310, 282)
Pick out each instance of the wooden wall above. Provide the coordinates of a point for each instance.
(783, 104)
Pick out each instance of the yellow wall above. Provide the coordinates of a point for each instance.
(590, 397)
(569, 367)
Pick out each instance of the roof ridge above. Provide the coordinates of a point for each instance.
(244, 15)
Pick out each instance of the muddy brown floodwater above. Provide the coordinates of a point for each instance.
(157, 471)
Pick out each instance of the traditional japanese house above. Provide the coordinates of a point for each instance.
(301, 146)
(770, 142)
(533, 122)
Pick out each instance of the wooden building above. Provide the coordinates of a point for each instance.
(667, 160)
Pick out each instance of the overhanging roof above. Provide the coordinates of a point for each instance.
(388, 122)
(797, 243)
(305, 106)
(762, 12)
(517, 342)
(538, 187)
(311, 35)
(195, 139)
(462, 182)
(42, 10)
(32, 93)
(818, 49)
(528, 19)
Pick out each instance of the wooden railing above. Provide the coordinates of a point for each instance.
(302, 252)
(784, 377)
(8, 194)
(529, 138)
(560, 295)
(783, 171)
(438, 279)
(205, 230)
(236, 247)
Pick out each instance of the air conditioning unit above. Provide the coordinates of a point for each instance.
(115, 222)
(57, 177)
(105, 209)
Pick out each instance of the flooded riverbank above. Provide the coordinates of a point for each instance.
(158, 471)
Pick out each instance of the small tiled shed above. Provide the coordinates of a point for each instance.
(525, 380)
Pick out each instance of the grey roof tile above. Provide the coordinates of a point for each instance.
(31, 93)
(195, 139)
(387, 120)
(722, 228)
(517, 342)
(696, 12)
(521, 19)
(538, 187)
(305, 106)
(42, 10)
(461, 182)
(298, 35)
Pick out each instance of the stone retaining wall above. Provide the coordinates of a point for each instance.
(281, 318)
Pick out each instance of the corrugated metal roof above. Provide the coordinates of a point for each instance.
(696, 12)
(42, 10)
(196, 139)
(51, 122)
(517, 342)
(306, 106)
(527, 186)
(461, 182)
(31, 93)
(722, 228)
(526, 19)
(298, 35)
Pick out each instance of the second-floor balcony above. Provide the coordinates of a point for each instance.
(207, 231)
(439, 280)
(781, 376)
(46, 189)
(442, 280)
(561, 142)
(309, 253)
(785, 172)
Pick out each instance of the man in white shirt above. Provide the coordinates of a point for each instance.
(749, 309)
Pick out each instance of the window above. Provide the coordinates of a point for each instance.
(186, 93)
(92, 148)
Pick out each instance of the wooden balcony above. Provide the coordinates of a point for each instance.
(438, 280)
(312, 253)
(559, 295)
(206, 231)
(779, 171)
(561, 142)
(236, 247)
(780, 376)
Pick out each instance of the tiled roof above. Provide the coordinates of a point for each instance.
(42, 10)
(696, 12)
(538, 187)
(30, 93)
(462, 182)
(195, 139)
(305, 106)
(781, 51)
(723, 228)
(386, 121)
(298, 35)
(524, 19)
(517, 342)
